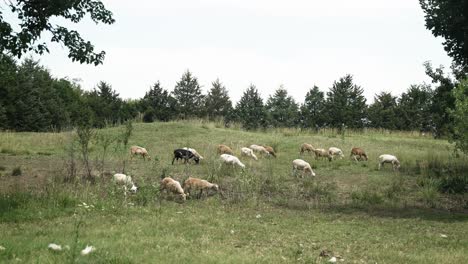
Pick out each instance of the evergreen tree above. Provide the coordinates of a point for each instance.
(188, 93)
(414, 108)
(250, 110)
(312, 111)
(382, 113)
(281, 109)
(460, 114)
(105, 105)
(218, 104)
(158, 104)
(345, 104)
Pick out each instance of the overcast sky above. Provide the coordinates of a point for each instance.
(297, 43)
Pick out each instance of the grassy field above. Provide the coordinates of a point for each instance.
(265, 215)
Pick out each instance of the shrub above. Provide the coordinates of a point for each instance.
(16, 171)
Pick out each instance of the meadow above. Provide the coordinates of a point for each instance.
(350, 210)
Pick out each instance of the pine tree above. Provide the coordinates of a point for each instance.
(281, 109)
(105, 104)
(346, 104)
(218, 104)
(382, 113)
(312, 111)
(158, 104)
(188, 93)
(250, 110)
(414, 109)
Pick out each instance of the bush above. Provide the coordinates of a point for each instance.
(16, 171)
(367, 197)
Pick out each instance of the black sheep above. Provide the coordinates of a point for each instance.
(184, 154)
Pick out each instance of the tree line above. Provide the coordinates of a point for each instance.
(32, 100)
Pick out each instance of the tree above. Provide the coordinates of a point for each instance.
(105, 104)
(382, 113)
(448, 19)
(346, 104)
(189, 96)
(34, 19)
(281, 109)
(250, 110)
(460, 114)
(217, 103)
(312, 111)
(158, 104)
(414, 109)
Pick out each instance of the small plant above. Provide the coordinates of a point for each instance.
(16, 171)
(429, 195)
(2, 168)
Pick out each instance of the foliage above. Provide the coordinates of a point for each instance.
(250, 110)
(188, 93)
(460, 116)
(158, 104)
(281, 109)
(383, 112)
(34, 20)
(414, 109)
(448, 19)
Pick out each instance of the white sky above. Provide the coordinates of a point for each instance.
(297, 43)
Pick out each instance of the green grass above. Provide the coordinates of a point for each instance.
(265, 214)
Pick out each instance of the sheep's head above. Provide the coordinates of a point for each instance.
(183, 196)
(310, 171)
(134, 188)
(215, 187)
(196, 159)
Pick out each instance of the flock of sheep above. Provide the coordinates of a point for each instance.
(192, 185)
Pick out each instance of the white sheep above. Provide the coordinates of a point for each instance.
(248, 152)
(199, 184)
(125, 181)
(387, 158)
(303, 166)
(333, 151)
(194, 152)
(169, 184)
(259, 149)
(233, 160)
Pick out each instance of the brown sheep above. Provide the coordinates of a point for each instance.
(169, 184)
(306, 147)
(322, 153)
(199, 184)
(270, 150)
(223, 149)
(136, 150)
(358, 152)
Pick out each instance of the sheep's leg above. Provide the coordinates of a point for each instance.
(380, 165)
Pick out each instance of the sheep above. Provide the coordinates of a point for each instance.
(223, 149)
(270, 150)
(194, 152)
(248, 152)
(169, 184)
(259, 149)
(302, 165)
(358, 152)
(184, 154)
(333, 151)
(125, 181)
(233, 160)
(136, 150)
(387, 158)
(198, 184)
(322, 153)
(306, 147)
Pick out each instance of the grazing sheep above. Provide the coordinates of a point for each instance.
(322, 153)
(125, 181)
(306, 147)
(387, 158)
(259, 149)
(303, 166)
(171, 185)
(270, 150)
(184, 154)
(248, 152)
(358, 152)
(136, 150)
(335, 152)
(223, 149)
(198, 184)
(194, 152)
(233, 160)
